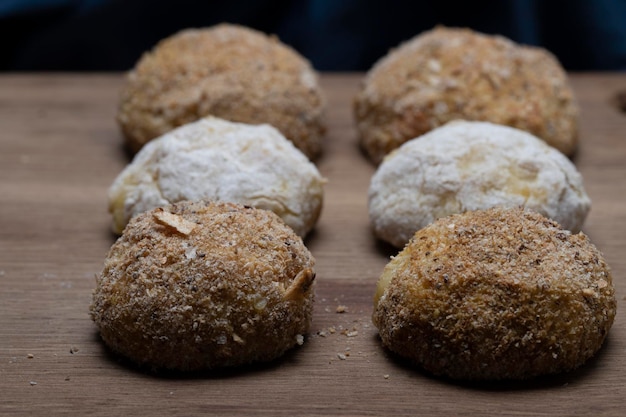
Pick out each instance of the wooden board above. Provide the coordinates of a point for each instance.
(60, 149)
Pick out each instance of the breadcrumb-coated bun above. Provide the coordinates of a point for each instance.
(465, 166)
(446, 74)
(200, 285)
(219, 160)
(227, 71)
(495, 294)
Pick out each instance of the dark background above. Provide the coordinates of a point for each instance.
(335, 35)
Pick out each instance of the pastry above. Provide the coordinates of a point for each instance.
(201, 285)
(220, 160)
(447, 74)
(495, 294)
(228, 71)
(465, 166)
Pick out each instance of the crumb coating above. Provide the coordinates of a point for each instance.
(495, 294)
(448, 74)
(200, 285)
(227, 71)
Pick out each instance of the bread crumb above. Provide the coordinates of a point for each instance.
(299, 287)
(352, 333)
(386, 376)
(341, 309)
(332, 330)
(73, 349)
(30, 356)
(176, 222)
(341, 356)
(238, 339)
(299, 339)
(32, 383)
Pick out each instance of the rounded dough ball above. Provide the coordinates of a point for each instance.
(447, 74)
(227, 71)
(219, 160)
(495, 294)
(199, 285)
(466, 166)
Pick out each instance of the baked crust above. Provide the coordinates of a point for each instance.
(227, 71)
(199, 285)
(447, 74)
(495, 294)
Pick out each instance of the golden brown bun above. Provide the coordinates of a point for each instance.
(227, 71)
(495, 294)
(448, 74)
(199, 285)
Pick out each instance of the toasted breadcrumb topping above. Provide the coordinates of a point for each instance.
(495, 294)
(227, 71)
(447, 74)
(198, 285)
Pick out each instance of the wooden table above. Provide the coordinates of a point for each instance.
(60, 149)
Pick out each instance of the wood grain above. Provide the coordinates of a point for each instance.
(59, 152)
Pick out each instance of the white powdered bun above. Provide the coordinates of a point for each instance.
(214, 159)
(466, 166)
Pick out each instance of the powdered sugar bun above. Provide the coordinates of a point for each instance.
(219, 160)
(465, 166)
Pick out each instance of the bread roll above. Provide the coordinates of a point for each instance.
(228, 71)
(495, 294)
(465, 166)
(447, 74)
(201, 285)
(219, 160)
